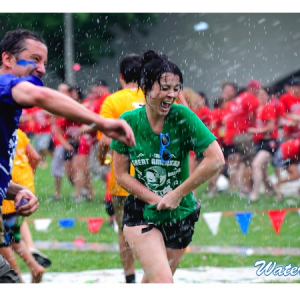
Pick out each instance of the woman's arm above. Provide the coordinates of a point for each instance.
(210, 165)
(129, 183)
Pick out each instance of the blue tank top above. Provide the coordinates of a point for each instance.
(10, 112)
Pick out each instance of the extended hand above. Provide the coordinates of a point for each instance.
(118, 129)
(30, 207)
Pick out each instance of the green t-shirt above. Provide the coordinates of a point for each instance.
(187, 133)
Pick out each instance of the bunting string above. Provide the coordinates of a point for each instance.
(212, 220)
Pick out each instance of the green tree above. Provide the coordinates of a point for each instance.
(93, 33)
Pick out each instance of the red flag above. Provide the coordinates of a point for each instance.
(95, 224)
(277, 217)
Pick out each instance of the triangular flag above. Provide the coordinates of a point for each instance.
(42, 224)
(244, 220)
(94, 224)
(65, 223)
(213, 220)
(299, 212)
(277, 217)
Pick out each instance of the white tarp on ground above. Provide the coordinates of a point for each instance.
(193, 275)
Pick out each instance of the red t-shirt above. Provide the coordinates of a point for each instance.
(238, 115)
(290, 149)
(57, 124)
(28, 126)
(290, 104)
(70, 129)
(98, 103)
(204, 114)
(95, 106)
(264, 114)
(43, 121)
(217, 124)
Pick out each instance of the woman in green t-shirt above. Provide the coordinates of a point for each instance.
(160, 211)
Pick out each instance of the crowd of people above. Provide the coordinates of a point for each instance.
(155, 141)
(256, 128)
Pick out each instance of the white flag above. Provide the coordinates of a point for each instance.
(42, 224)
(213, 220)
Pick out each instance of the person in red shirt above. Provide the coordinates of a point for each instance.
(57, 162)
(100, 89)
(42, 129)
(229, 91)
(69, 133)
(265, 135)
(239, 116)
(87, 141)
(291, 106)
(287, 157)
(27, 123)
(197, 103)
(218, 130)
(200, 108)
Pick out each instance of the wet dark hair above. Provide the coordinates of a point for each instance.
(204, 96)
(130, 67)
(78, 89)
(14, 41)
(232, 84)
(218, 102)
(154, 64)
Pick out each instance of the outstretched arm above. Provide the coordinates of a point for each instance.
(57, 103)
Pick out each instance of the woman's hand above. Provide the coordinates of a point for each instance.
(169, 201)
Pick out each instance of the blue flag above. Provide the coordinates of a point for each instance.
(244, 220)
(66, 222)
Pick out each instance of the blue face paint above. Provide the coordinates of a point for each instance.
(24, 63)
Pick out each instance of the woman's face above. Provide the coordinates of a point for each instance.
(163, 94)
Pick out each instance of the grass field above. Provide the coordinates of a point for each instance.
(260, 233)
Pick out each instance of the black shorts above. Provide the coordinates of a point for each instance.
(244, 145)
(69, 154)
(228, 150)
(176, 236)
(109, 208)
(270, 146)
(279, 162)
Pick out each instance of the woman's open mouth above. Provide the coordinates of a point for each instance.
(166, 105)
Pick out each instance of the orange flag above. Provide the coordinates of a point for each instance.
(277, 217)
(95, 224)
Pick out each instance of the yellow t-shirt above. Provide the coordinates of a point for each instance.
(22, 172)
(113, 107)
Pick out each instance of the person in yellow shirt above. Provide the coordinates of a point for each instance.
(24, 165)
(127, 98)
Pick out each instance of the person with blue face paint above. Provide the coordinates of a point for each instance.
(22, 65)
